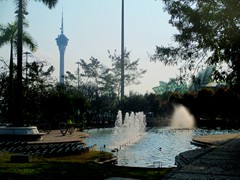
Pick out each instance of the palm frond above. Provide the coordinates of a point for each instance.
(29, 42)
(49, 3)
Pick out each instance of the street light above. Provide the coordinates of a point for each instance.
(26, 54)
(180, 69)
(122, 54)
(78, 71)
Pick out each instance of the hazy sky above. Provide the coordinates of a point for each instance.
(93, 27)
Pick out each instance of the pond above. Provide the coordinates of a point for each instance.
(158, 145)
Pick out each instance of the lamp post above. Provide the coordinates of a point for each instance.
(180, 69)
(26, 54)
(18, 107)
(122, 53)
(78, 71)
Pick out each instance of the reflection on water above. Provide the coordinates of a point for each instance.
(158, 144)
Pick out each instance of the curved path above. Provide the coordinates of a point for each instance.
(219, 161)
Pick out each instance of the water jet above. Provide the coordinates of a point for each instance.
(129, 129)
(182, 118)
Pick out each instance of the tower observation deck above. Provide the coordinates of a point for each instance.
(62, 42)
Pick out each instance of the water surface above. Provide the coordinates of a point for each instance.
(157, 145)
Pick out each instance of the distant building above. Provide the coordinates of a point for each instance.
(62, 42)
(171, 86)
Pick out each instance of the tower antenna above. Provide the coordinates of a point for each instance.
(62, 23)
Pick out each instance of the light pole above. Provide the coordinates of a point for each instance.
(180, 69)
(122, 53)
(18, 107)
(26, 54)
(78, 71)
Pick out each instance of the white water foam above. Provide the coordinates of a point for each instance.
(128, 130)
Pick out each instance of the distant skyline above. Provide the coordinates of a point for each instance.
(93, 28)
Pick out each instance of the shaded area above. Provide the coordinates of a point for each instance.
(72, 167)
(219, 161)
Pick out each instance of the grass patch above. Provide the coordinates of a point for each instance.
(77, 166)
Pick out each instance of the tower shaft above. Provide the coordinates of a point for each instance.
(62, 42)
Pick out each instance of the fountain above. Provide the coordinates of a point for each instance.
(20, 133)
(128, 130)
(182, 118)
(137, 147)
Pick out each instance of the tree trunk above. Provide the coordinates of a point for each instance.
(10, 86)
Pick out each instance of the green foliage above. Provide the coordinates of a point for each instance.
(96, 74)
(131, 72)
(205, 103)
(226, 104)
(92, 70)
(134, 103)
(208, 32)
(8, 35)
(153, 103)
(108, 79)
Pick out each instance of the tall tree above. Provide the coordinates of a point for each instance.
(108, 79)
(132, 72)
(92, 70)
(8, 35)
(21, 11)
(207, 30)
(99, 75)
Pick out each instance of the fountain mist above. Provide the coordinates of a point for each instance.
(182, 118)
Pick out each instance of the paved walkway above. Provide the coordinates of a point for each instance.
(55, 136)
(220, 161)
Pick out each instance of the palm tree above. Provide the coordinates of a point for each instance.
(8, 34)
(21, 11)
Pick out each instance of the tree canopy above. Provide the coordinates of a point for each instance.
(208, 31)
(108, 79)
(132, 73)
